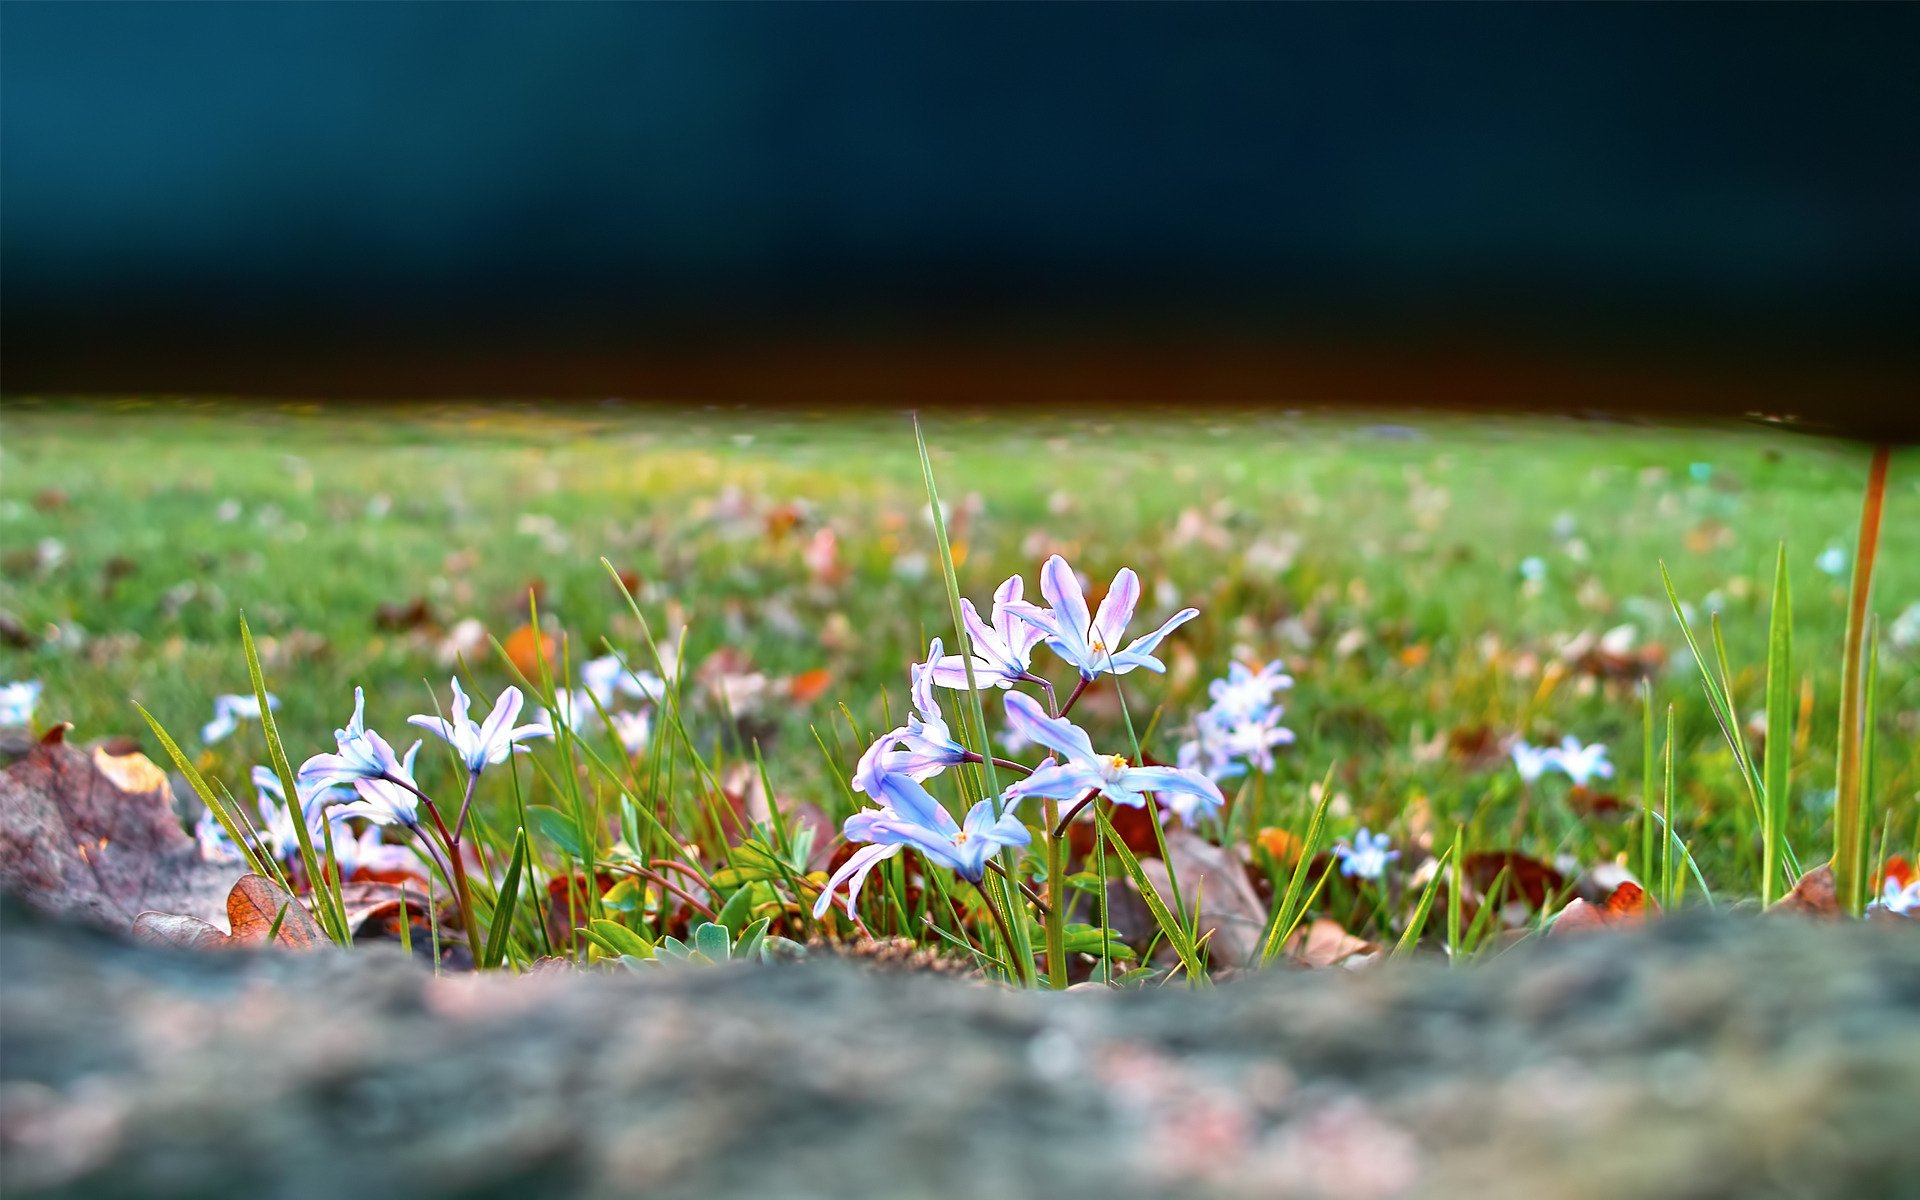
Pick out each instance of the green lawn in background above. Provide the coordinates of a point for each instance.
(1383, 562)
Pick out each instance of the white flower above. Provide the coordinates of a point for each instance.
(603, 676)
(1832, 560)
(1582, 763)
(1246, 694)
(229, 711)
(17, 701)
(1532, 761)
(1898, 899)
(633, 730)
(483, 745)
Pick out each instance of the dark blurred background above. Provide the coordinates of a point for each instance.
(1705, 206)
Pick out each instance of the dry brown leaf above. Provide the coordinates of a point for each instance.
(1813, 896)
(172, 929)
(1229, 914)
(94, 837)
(1626, 905)
(254, 907)
(255, 904)
(1326, 944)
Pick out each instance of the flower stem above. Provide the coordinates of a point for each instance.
(466, 802)
(1026, 889)
(1849, 824)
(463, 892)
(1079, 690)
(1053, 701)
(1055, 916)
(1061, 829)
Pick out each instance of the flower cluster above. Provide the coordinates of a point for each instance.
(229, 711)
(1367, 857)
(604, 682)
(1242, 726)
(893, 770)
(1580, 763)
(355, 853)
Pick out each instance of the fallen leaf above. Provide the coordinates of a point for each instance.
(808, 686)
(1325, 943)
(172, 929)
(1626, 905)
(1527, 878)
(402, 618)
(256, 905)
(374, 907)
(527, 648)
(94, 837)
(1228, 912)
(1813, 896)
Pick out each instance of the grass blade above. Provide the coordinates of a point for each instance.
(1284, 916)
(1778, 756)
(1170, 926)
(1410, 937)
(500, 928)
(1849, 823)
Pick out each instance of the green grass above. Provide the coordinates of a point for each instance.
(1382, 564)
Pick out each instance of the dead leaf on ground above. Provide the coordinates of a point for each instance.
(1627, 904)
(1325, 943)
(1527, 878)
(1229, 914)
(808, 686)
(93, 836)
(1813, 896)
(392, 617)
(255, 906)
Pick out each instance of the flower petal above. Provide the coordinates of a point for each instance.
(1116, 609)
(1055, 733)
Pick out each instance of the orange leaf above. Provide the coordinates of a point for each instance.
(808, 686)
(527, 649)
(255, 905)
(1627, 904)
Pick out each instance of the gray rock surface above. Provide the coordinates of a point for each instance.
(1696, 1058)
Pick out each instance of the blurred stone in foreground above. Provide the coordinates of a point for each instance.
(1696, 1058)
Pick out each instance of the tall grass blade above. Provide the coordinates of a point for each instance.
(1284, 915)
(1849, 823)
(1410, 937)
(1170, 925)
(500, 928)
(1021, 948)
(326, 897)
(1778, 755)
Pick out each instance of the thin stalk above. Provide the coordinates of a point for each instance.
(1849, 819)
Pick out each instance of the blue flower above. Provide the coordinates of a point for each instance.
(603, 676)
(1107, 774)
(1582, 763)
(1367, 858)
(1532, 761)
(368, 763)
(229, 711)
(1002, 651)
(910, 818)
(930, 745)
(1245, 694)
(1091, 643)
(17, 701)
(481, 746)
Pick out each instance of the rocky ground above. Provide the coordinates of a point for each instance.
(1698, 1057)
